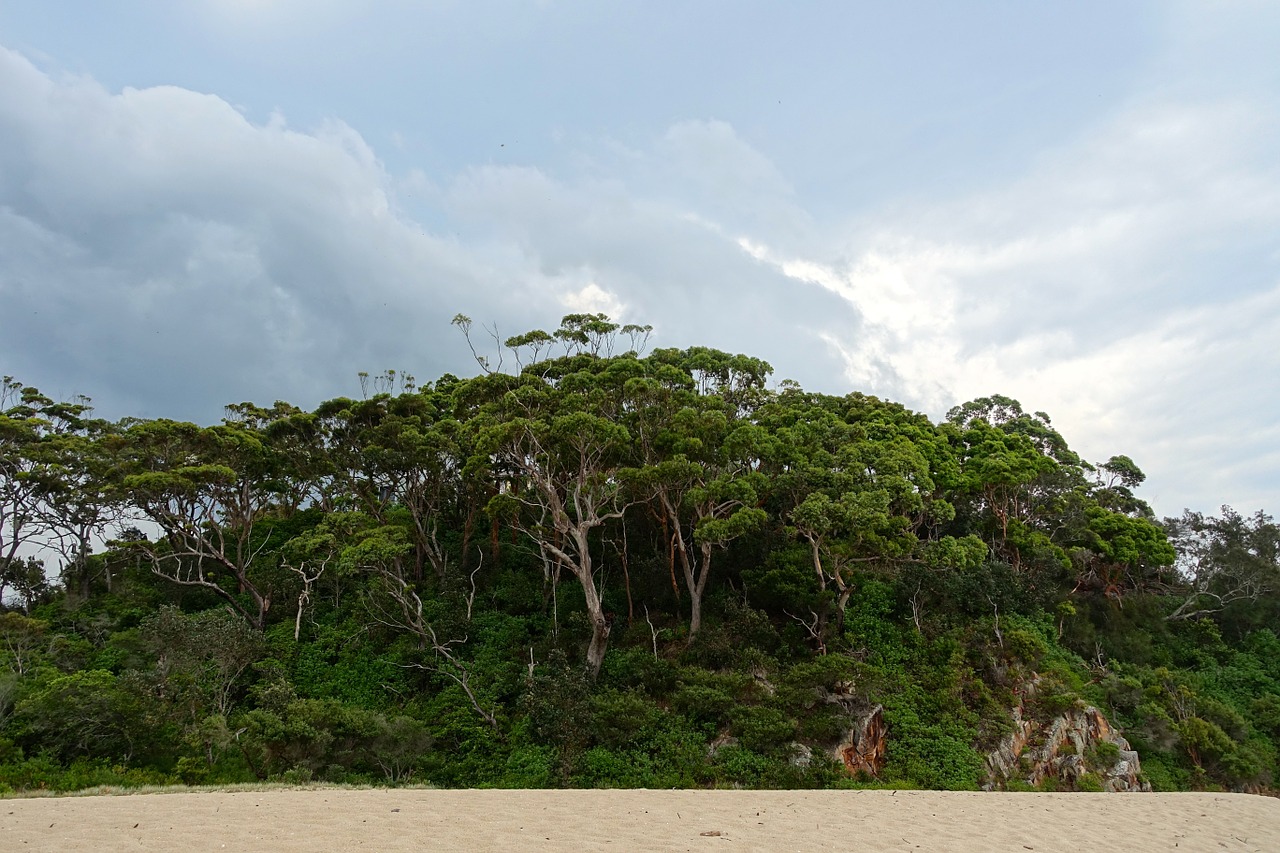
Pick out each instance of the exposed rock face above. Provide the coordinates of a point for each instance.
(1063, 749)
(1077, 742)
(863, 748)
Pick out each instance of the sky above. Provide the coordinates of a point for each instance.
(1075, 204)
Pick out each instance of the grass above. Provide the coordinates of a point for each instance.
(236, 788)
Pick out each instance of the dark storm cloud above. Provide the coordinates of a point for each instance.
(166, 256)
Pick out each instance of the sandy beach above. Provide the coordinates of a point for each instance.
(337, 819)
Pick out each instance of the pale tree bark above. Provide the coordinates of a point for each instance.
(407, 614)
(561, 509)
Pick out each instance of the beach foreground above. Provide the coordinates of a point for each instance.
(421, 819)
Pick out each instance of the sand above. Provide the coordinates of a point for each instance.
(418, 819)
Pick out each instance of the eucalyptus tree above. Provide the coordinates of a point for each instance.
(210, 490)
(554, 438)
(1000, 473)
(357, 544)
(690, 418)
(398, 458)
(862, 477)
(79, 498)
(1115, 481)
(578, 334)
(1121, 553)
(1223, 561)
(27, 577)
(300, 472)
(31, 424)
(1020, 479)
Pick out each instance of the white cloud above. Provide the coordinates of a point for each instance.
(1127, 285)
(161, 251)
(593, 299)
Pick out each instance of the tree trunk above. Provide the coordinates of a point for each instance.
(583, 569)
(599, 644)
(697, 589)
(599, 623)
(695, 616)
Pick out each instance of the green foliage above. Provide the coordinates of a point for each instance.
(611, 569)
(46, 774)
(1106, 752)
(91, 714)
(1089, 783)
(341, 663)
(763, 730)
(708, 708)
(531, 766)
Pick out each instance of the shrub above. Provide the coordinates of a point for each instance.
(1089, 782)
(766, 731)
(706, 707)
(530, 767)
(1106, 752)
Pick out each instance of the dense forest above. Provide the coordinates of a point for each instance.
(592, 565)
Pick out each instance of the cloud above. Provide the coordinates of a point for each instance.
(163, 253)
(592, 299)
(166, 255)
(1127, 284)
(660, 260)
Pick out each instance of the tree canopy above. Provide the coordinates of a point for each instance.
(590, 564)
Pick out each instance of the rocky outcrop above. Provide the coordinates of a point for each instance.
(863, 748)
(1078, 749)
(1072, 744)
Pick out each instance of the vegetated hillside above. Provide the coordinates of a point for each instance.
(619, 570)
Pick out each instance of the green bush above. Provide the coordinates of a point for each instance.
(707, 707)
(933, 757)
(530, 767)
(45, 773)
(1106, 752)
(1090, 783)
(618, 719)
(766, 731)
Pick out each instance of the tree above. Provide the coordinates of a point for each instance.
(1223, 560)
(1115, 481)
(25, 576)
(700, 454)
(556, 444)
(1002, 472)
(378, 551)
(857, 486)
(92, 713)
(208, 490)
(399, 454)
(201, 657)
(30, 423)
(79, 500)
(1121, 552)
(21, 639)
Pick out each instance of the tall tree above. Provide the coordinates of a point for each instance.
(863, 493)
(554, 435)
(1223, 560)
(400, 454)
(30, 423)
(701, 454)
(208, 490)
